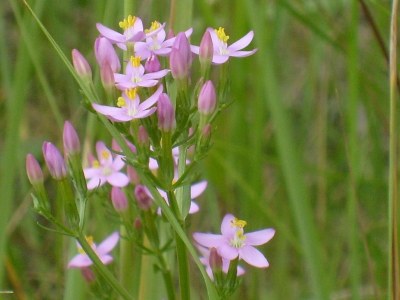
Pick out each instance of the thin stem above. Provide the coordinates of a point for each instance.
(172, 13)
(100, 267)
(127, 257)
(393, 267)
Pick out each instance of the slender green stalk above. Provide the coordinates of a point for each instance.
(129, 7)
(393, 255)
(101, 268)
(128, 261)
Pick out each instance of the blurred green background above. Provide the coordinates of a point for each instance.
(304, 148)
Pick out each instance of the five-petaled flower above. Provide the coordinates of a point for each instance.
(105, 169)
(129, 106)
(82, 260)
(222, 51)
(233, 242)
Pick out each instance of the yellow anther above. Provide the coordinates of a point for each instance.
(131, 93)
(221, 34)
(135, 61)
(121, 102)
(96, 164)
(154, 25)
(89, 239)
(238, 223)
(105, 154)
(128, 22)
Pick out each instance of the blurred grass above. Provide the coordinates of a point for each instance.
(303, 149)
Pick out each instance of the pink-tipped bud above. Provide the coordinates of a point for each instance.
(119, 200)
(207, 98)
(206, 132)
(206, 50)
(177, 65)
(106, 55)
(182, 44)
(88, 274)
(132, 175)
(166, 114)
(33, 170)
(107, 77)
(215, 260)
(142, 197)
(81, 65)
(143, 136)
(70, 139)
(137, 224)
(54, 161)
(152, 64)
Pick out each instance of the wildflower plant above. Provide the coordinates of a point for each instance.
(161, 120)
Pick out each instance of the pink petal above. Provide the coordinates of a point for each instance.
(194, 207)
(80, 261)
(108, 244)
(242, 43)
(106, 259)
(106, 110)
(101, 149)
(197, 189)
(208, 239)
(91, 172)
(145, 113)
(214, 37)
(118, 163)
(118, 179)
(220, 59)
(156, 75)
(242, 53)
(253, 257)
(195, 49)
(152, 99)
(147, 83)
(227, 229)
(227, 252)
(112, 35)
(95, 182)
(163, 51)
(153, 164)
(259, 237)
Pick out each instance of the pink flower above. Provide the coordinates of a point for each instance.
(105, 169)
(129, 107)
(135, 76)
(222, 51)
(133, 32)
(234, 243)
(81, 260)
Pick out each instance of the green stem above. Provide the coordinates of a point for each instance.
(129, 279)
(100, 267)
(393, 263)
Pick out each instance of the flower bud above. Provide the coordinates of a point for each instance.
(119, 200)
(152, 64)
(177, 65)
(137, 224)
(54, 161)
(33, 170)
(107, 77)
(143, 136)
(207, 98)
(166, 114)
(81, 65)
(70, 139)
(182, 44)
(206, 48)
(88, 274)
(142, 197)
(106, 55)
(215, 260)
(132, 175)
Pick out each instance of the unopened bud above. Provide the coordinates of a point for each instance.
(142, 197)
(206, 50)
(54, 161)
(33, 170)
(119, 200)
(152, 64)
(88, 274)
(70, 139)
(215, 260)
(81, 65)
(132, 175)
(206, 132)
(137, 224)
(207, 98)
(107, 77)
(143, 136)
(106, 55)
(166, 114)
(177, 65)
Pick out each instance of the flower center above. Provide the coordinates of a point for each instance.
(96, 164)
(221, 34)
(106, 171)
(154, 25)
(239, 238)
(131, 93)
(128, 22)
(135, 61)
(105, 154)
(121, 102)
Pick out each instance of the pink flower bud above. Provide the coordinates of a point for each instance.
(133, 175)
(33, 170)
(206, 48)
(81, 65)
(143, 136)
(88, 274)
(166, 114)
(152, 64)
(207, 98)
(137, 224)
(119, 200)
(177, 65)
(182, 44)
(107, 76)
(54, 161)
(106, 55)
(215, 260)
(142, 197)
(70, 139)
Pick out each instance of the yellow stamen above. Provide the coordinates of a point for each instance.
(221, 34)
(238, 223)
(96, 164)
(105, 154)
(121, 102)
(135, 61)
(89, 239)
(128, 22)
(154, 25)
(131, 93)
